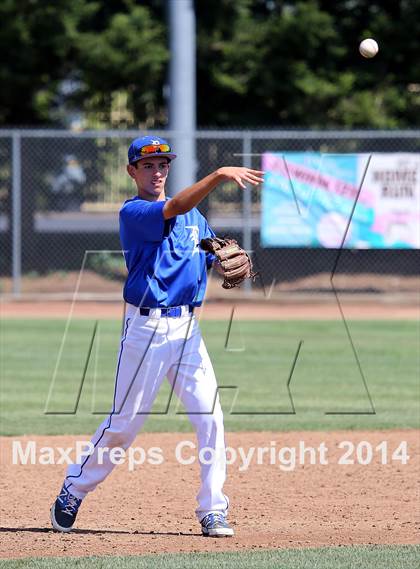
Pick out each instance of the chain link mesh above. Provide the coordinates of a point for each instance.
(5, 206)
(72, 187)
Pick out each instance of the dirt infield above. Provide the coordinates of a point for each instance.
(151, 509)
(367, 296)
(302, 310)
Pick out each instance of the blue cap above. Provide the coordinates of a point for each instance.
(134, 152)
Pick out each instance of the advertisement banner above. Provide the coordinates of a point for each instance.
(356, 201)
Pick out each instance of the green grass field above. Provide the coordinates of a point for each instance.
(253, 373)
(372, 557)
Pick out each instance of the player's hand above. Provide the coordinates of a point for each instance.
(241, 175)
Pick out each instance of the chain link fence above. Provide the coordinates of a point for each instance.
(60, 193)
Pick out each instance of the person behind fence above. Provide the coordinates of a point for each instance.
(67, 186)
(161, 337)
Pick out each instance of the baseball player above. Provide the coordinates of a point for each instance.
(161, 338)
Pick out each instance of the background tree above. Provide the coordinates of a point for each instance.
(278, 63)
(269, 63)
(36, 46)
(82, 54)
(122, 51)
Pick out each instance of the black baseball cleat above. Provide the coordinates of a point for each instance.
(215, 525)
(64, 510)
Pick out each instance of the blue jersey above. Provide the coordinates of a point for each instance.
(166, 266)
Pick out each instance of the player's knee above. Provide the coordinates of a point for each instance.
(120, 436)
(207, 422)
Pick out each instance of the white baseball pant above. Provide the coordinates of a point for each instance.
(152, 348)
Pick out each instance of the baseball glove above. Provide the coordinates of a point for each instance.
(235, 262)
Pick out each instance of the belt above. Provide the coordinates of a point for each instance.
(172, 312)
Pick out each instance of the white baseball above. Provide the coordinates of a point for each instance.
(368, 48)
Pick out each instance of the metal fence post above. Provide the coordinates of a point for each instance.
(182, 101)
(16, 213)
(247, 200)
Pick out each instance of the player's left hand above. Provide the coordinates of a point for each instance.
(232, 262)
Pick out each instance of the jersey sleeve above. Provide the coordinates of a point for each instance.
(143, 219)
(208, 232)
